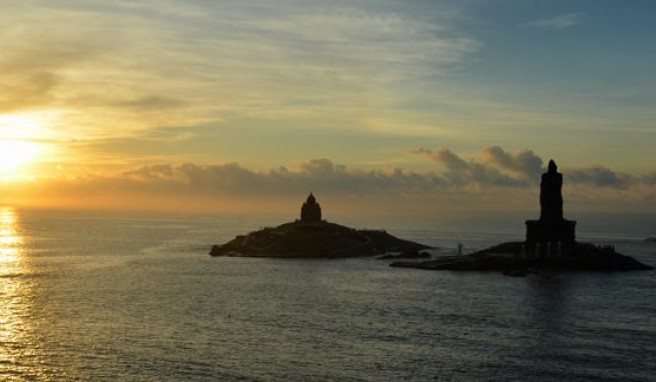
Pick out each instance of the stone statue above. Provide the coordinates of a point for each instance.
(551, 197)
(552, 231)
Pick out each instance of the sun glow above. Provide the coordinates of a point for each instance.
(13, 154)
(19, 144)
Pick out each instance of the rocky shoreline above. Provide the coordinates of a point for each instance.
(510, 258)
(314, 240)
(550, 244)
(313, 237)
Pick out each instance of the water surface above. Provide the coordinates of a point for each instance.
(87, 296)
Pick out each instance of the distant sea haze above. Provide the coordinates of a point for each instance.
(105, 297)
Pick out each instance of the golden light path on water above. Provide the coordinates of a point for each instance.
(10, 241)
(14, 299)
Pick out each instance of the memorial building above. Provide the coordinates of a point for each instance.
(311, 210)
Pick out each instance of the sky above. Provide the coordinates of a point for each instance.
(379, 107)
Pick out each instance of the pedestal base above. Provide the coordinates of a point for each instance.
(549, 238)
(541, 231)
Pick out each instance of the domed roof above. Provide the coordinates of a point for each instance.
(311, 210)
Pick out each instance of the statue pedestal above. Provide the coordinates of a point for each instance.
(545, 231)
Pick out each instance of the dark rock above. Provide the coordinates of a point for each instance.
(405, 255)
(550, 244)
(323, 239)
(510, 259)
(313, 237)
(651, 240)
(516, 273)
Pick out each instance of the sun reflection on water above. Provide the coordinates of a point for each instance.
(11, 242)
(15, 301)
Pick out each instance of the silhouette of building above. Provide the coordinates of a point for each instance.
(311, 210)
(551, 232)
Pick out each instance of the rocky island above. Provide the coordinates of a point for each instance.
(550, 244)
(312, 237)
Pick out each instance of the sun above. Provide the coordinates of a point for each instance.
(14, 154)
(19, 144)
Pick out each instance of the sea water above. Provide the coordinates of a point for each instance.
(91, 296)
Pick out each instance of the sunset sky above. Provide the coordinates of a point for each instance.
(420, 106)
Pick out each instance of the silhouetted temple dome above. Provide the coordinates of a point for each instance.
(311, 210)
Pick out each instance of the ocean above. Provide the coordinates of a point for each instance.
(103, 297)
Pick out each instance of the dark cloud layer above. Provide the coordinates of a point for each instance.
(521, 169)
(523, 162)
(600, 177)
(494, 179)
(319, 174)
(497, 170)
(493, 171)
(461, 172)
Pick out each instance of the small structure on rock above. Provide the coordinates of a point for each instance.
(311, 210)
(548, 235)
(310, 236)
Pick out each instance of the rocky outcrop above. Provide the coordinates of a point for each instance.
(405, 255)
(550, 244)
(511, 259)
(314, 240)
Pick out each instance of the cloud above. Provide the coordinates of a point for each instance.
(482, 176)
(600, 177)
(152, 102)
(525, 169)
(39, 60)
(493, 179)
(524, 162)
(318, 174)
(103, 63)
(462, 173)
(649, 178)
(559, 22)
(27, 90)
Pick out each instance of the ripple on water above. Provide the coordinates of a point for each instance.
(154, 306)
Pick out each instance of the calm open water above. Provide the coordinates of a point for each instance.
(103, 297)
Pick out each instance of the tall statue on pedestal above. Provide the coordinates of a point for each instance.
(551, 197)
(552, 230)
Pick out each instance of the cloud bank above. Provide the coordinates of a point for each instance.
(493, 179)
